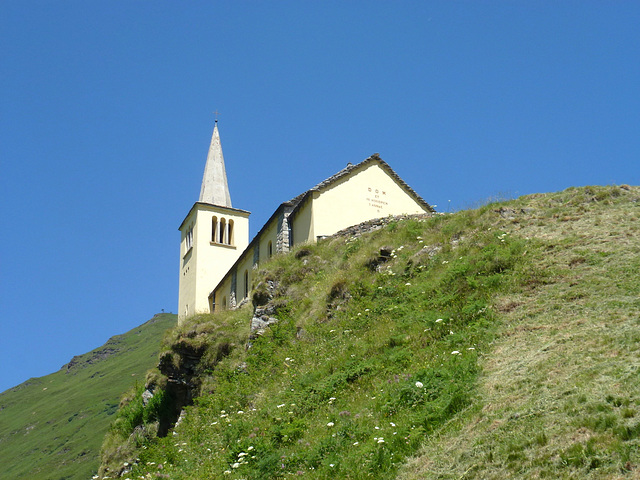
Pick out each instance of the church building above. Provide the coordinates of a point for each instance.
(216, 258)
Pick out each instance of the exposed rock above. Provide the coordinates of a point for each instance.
(264, 292)
(375, 264)
(243, 367)
(258, 324)
(337, 297)
(95, 356)
(303, 252)
(377, 223)
(146, 396)
(180, 366)
(431, 250)
(510, 213)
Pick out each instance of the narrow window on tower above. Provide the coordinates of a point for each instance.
(270, 249)
(188, 239)
(214, 228)
(223, 228)
(246, 284)
(230, 233)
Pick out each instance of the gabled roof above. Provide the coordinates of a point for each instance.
(300, 199)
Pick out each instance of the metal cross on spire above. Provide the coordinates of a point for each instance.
(216, 113)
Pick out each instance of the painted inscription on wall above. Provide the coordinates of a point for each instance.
(377, 198)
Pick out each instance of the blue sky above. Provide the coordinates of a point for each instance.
(106, 113)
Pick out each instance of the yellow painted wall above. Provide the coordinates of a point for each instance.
(369, 192)
(303, 230)
(188, 263)
(223, 293)
(269, 234)
(246, 264)
(206, 264)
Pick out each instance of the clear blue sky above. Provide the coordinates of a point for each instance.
(106, 117)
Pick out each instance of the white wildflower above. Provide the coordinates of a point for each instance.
(235, 465)
(439, 320)
(419, 384)
(456, 352)
(356, 443)
(330, 424)
(240, 412)
(408, 284)
(280, 406)
(381, 440)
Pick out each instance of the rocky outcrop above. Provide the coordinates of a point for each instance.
(376, 224)
(264, 307)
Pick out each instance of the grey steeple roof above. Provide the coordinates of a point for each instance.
(214, 182)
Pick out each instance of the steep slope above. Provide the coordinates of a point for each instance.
(492, 343)
(52, 427)
(559, 393)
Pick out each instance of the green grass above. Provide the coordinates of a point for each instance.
(52, 427)
(500, 342)
(559, 393)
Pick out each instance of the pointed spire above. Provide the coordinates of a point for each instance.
(214, 182)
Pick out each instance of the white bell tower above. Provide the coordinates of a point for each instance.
(213, 235)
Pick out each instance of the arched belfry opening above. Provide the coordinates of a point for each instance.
(214, 228)
(223, 231)
(230, 232)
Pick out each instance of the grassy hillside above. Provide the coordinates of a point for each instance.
(52, 427)
(500, 342)
(559, 391)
